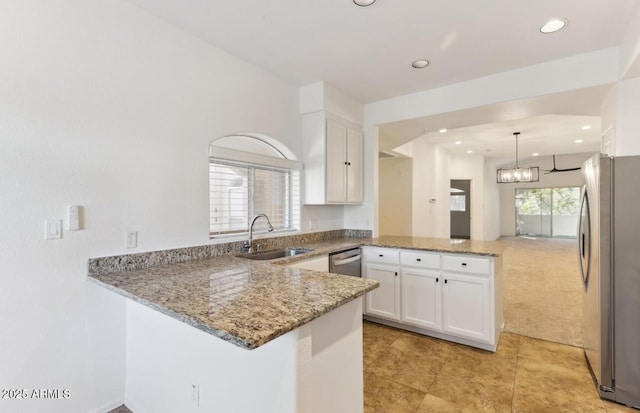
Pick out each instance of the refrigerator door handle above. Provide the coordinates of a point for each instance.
(584, 238)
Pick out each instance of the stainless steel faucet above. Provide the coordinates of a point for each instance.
(249, 243)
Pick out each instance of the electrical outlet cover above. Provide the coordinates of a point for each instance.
(131, 239)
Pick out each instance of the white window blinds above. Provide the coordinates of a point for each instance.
(240, 190)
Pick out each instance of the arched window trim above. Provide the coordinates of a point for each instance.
(254, 174)
(272, 143)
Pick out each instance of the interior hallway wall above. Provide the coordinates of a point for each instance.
(105, 106)
(430, 190)
(395, 196)
(491, 208)
(620, 120)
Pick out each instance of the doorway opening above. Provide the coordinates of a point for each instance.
(547, 212)
(460, 208)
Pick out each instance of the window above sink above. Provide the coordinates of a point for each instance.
(251, 174)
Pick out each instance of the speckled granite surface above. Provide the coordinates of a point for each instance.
(129, 262)
(247, 303)
(490, 248)
(250, 303)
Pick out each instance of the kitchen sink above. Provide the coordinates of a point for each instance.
(273, 254)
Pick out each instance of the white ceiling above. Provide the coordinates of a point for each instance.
(548, 124)
(545, 135)
(367, 51)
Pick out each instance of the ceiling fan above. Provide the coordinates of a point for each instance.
(550, 171)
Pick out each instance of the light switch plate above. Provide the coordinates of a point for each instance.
(52, 229)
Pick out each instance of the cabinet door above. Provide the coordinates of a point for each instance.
(384, 300)
(420, 298)
(354, 166)
(336, 162)
(466, 306)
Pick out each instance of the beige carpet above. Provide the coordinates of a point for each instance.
(543, 293)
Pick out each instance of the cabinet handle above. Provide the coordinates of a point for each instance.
(437, 279)
(380, 255)
(349, 163)
(464, 264)
(418, 259)
(396, 273)
(345, 162)
(445, 281)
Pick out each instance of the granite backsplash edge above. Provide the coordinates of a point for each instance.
(130, 262)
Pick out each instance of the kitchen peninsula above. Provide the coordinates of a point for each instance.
(267, 337)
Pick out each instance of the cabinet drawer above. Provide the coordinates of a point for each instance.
(420, 259)
(382, 255)
(466, 264)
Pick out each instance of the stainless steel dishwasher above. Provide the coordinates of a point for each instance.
(345, 262)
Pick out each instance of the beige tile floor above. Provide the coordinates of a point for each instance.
(410, 373)
(406, 372)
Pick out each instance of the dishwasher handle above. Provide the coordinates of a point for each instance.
(346, 260)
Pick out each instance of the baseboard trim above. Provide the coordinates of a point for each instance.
(107, 407)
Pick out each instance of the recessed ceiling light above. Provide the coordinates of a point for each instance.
(553, 25)
(443, 130)
(364, 3)
(586, 127)
(419, 64)
(535, 154)
(458, 142)
(578, 140)
(469, 151)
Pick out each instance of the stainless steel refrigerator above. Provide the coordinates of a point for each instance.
(609, 255)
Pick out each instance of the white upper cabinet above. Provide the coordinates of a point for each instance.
(354, 166)
(332, 157)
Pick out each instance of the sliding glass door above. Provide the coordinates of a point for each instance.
(547, 212)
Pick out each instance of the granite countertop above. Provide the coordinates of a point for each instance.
(245, 302)
(458, 246)
(250, 303)
(455, 246)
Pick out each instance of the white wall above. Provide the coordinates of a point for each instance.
(324, 96)
(491, 208)
(432, 168)
(105, 106)
(630, 49)
(620, 120)
(395, 196)
(555, 180)
(430, 180)
(628, 122)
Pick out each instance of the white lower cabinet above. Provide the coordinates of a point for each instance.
(449, 296)
(465, 306)
(384, 301)
(421, 292)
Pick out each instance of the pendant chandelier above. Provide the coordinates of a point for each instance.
(517, 174)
